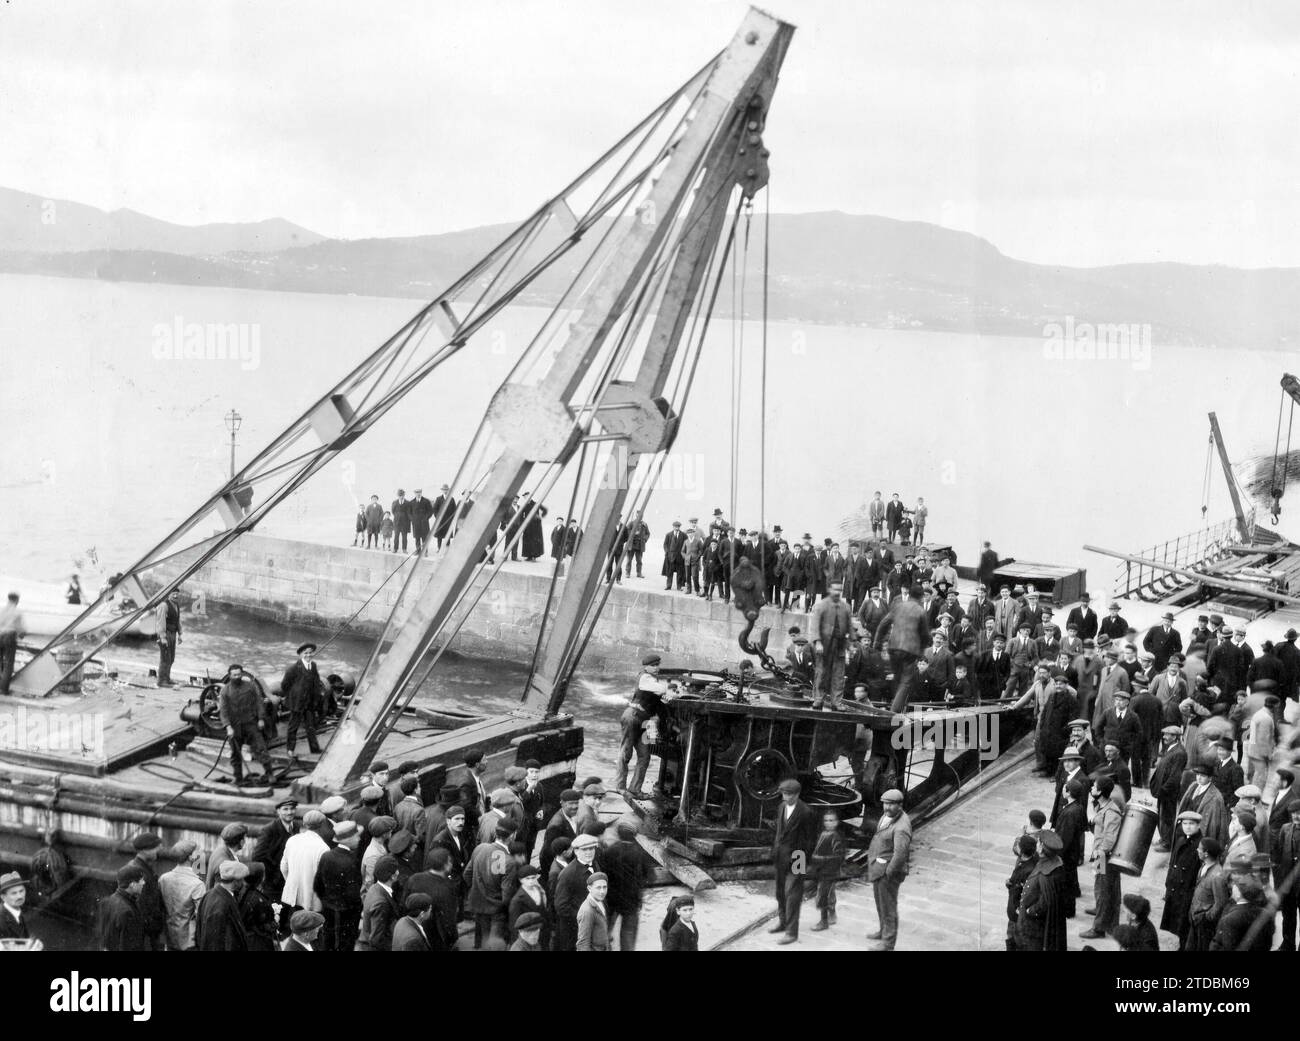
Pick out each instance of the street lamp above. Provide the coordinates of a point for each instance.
(233, 419)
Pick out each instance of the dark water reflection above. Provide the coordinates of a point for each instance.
(481, 685)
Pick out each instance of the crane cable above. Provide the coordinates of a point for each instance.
(1276, 490)
(1205, 481)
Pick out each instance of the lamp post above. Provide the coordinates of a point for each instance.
(233, 419)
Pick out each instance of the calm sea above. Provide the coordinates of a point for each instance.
(106, 445)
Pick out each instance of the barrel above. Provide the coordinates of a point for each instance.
(1135, 834)
(65, 658)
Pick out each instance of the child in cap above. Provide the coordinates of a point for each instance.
(827, 859)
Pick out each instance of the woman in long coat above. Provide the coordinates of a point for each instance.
(1041, 923)
(1180, 879)
(534, 544)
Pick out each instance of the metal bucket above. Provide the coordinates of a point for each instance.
(66, 657)
(1135, 834)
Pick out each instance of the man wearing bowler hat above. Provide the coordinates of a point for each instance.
(240, 709)
(887, 864)
(13, 920)
(304, 696)
(792, 846)
(1163, 640)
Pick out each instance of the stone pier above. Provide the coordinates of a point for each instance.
(324, 586)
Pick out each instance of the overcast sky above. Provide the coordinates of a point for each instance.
(1062, 132)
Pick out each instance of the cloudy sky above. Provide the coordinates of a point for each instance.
(1065, 133)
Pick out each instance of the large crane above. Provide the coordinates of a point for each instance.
(604, 382)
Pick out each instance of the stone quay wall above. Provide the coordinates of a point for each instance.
(324, 586)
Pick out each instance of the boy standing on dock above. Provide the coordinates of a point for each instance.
(827, 859)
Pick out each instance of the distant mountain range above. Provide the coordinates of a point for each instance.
(826, 268)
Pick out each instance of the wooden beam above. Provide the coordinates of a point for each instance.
(694, 878)
(1217, 436)
(1259, 592)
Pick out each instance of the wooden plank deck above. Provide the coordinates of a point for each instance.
(93, 734)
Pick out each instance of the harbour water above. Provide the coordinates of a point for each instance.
(108, 441)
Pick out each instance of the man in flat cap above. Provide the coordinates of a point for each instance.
(563, 824)
(887, 866)
(231, 847)
(380, 829)
(593, 921)
(792, 847)
(645, 703)
(270, 847)
(831, 625)
(532, 801)
(221, 926)
(529, 928)
(1167, 782)
(1180, 877)
(240, 709)
(304, 697)
(503, 806)
(304, 931)
(338, 886)
(571, 891)
(371, 796)
(1124, 728)
(415, 931)
(13, 920)
(153, 916)
(120, 927)
(182, 888)
(1247, 925)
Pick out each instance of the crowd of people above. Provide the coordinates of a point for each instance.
(416, 524)
(1116, 712)
(391, 873)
